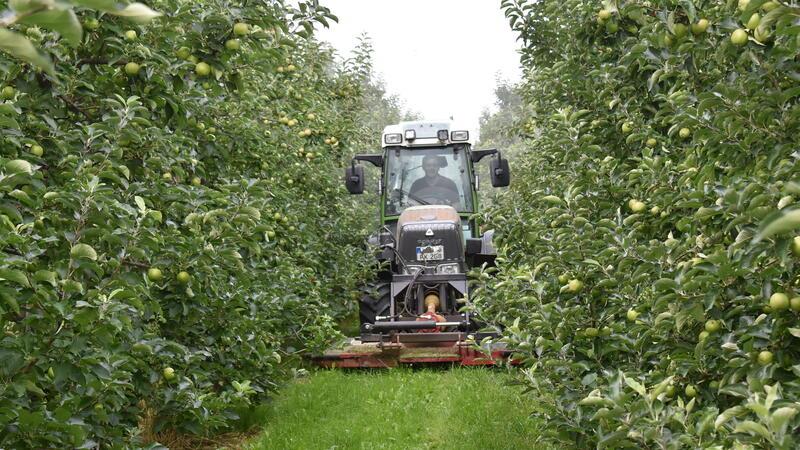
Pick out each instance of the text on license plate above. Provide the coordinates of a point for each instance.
(430, 253)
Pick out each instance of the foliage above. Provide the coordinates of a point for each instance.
(650, 221)
(172, 224)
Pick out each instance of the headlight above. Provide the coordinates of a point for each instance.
(447, 269)
(411, 270)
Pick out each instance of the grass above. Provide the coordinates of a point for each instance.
(463, 408)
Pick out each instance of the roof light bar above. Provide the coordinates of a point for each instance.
(393, 138)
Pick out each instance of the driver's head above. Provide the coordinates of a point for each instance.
(430, 164)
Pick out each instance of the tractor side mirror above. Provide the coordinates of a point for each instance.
(354, 179)
(498, 169)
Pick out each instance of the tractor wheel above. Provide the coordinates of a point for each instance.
(375, 302)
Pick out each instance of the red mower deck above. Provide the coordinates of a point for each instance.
(357, 354)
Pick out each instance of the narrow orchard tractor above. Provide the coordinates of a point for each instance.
(428, 240)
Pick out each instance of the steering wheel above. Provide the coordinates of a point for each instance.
(434, 196)
(428, 200)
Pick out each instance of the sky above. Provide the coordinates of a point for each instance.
(441, 57)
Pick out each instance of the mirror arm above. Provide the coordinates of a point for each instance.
(478, 155)
(375, 160)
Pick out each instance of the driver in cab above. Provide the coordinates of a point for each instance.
(433, 185)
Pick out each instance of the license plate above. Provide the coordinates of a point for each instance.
(430, 253)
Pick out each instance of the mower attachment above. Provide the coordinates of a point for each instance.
(456, 350)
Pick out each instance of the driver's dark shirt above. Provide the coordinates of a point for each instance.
(443, 184)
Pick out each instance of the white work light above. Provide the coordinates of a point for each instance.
(411, 270)
(442, 135)
(447, 269)
(459, 136)
(411, 135)
(393, 138)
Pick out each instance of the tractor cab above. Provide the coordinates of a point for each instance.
(428, 236)
(427, 163)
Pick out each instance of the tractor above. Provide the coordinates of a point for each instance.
(427, 241)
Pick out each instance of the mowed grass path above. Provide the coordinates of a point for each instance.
(460, 408)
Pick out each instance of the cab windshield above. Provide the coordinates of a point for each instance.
(427, 176)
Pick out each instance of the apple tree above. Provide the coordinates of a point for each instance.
(173, 229)
(647, 266)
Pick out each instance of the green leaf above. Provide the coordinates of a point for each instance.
(635, 385)
(22, 196)
(63, 21)
(45, 276)
(789, 221)
(666, 284)
(9, 122)
(17, 276)
(83, 251)
(137, 12)
(753, 428)
(20, 47)
(782, 416)
(9, 297)
(100, 5)
(23, 6)
(31, 387)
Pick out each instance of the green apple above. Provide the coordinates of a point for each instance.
(154, 274)
(574, 286)
(169, 373)
(8, 92)
(241, 29)
(91, 24)
(700, 27)
(202, 69)
(183, 277)
(627, 127)
(232, 44)
(753, 21)
(739, 37)
(680, 30)
(184, 53)
(779, 301)
(132, 69)
(769, 6)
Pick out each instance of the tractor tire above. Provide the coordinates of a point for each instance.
(376, 301)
